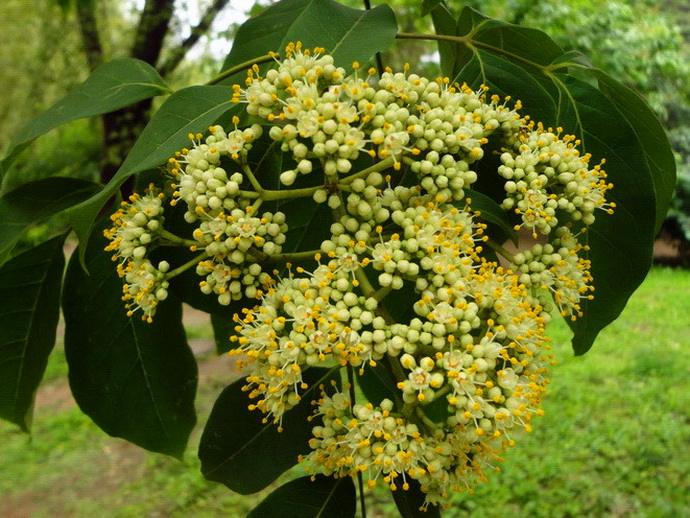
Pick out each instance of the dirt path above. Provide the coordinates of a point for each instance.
(116, 462)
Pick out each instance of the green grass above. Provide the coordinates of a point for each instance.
(614, 440)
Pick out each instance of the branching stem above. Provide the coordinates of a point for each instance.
(379, 166)
(239, 68)
(186, 266)
(172, 239)
(296, 257)
(252, 179)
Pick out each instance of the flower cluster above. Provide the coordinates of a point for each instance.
(409, 279)
(546, 174)
(136, 225)
(323, 117)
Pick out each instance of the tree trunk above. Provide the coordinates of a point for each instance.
(122, 128)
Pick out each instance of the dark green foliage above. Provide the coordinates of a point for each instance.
(237, 442)
(34, 202)
(612, 123)
(378, 383)
(135, 380)
(29, 309)
(348, 34)
(323, 497)
(409, 503)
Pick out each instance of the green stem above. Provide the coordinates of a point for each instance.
(252, 179)
(381, 293)
(430, 425)
(186, 266)
(296, 257)
(397, 368)
(499, 249)
(469, 42)
(353, 400)
(240, 68)
(380, 166)
(175, 240)
(289, 194)
(364, 283)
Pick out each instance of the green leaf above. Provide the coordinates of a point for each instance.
(444, 23)
(308, 225)
(323, 497)
(111, 86)
(620, 244)
(34, 202)
(188, 110)
(239, 450)
(223, 328)
(429, 5)
(513, 40)
(409, 502)
(651, 137)
(29, 311)
(135, 380)
(378, 383)
(492, 213)
(615, 126)
(347, 34)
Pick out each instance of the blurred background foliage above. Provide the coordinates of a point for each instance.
(644, 43)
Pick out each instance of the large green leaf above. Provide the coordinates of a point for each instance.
(348, 34)
(378, 383)
(620, 244)
(409, 503)
(445, 23)
(651, 136)
(135, 380)
(240, 451)
(35, 201)
(192, 110)
(613, 125)
(111, 86)
(492, 214)
(223, 328)
(322, 497)
(29, 310)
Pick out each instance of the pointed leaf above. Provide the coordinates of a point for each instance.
(650, 135)
(323, 497)
(347, 34)
(29, 310)
(135, 380)
(615, 125)
(409, 503)
(620, 244)
(236, 442)
(192, 110)
(34, 202)
(223, 328)
(111, 86)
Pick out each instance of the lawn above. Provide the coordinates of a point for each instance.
(615, 440)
